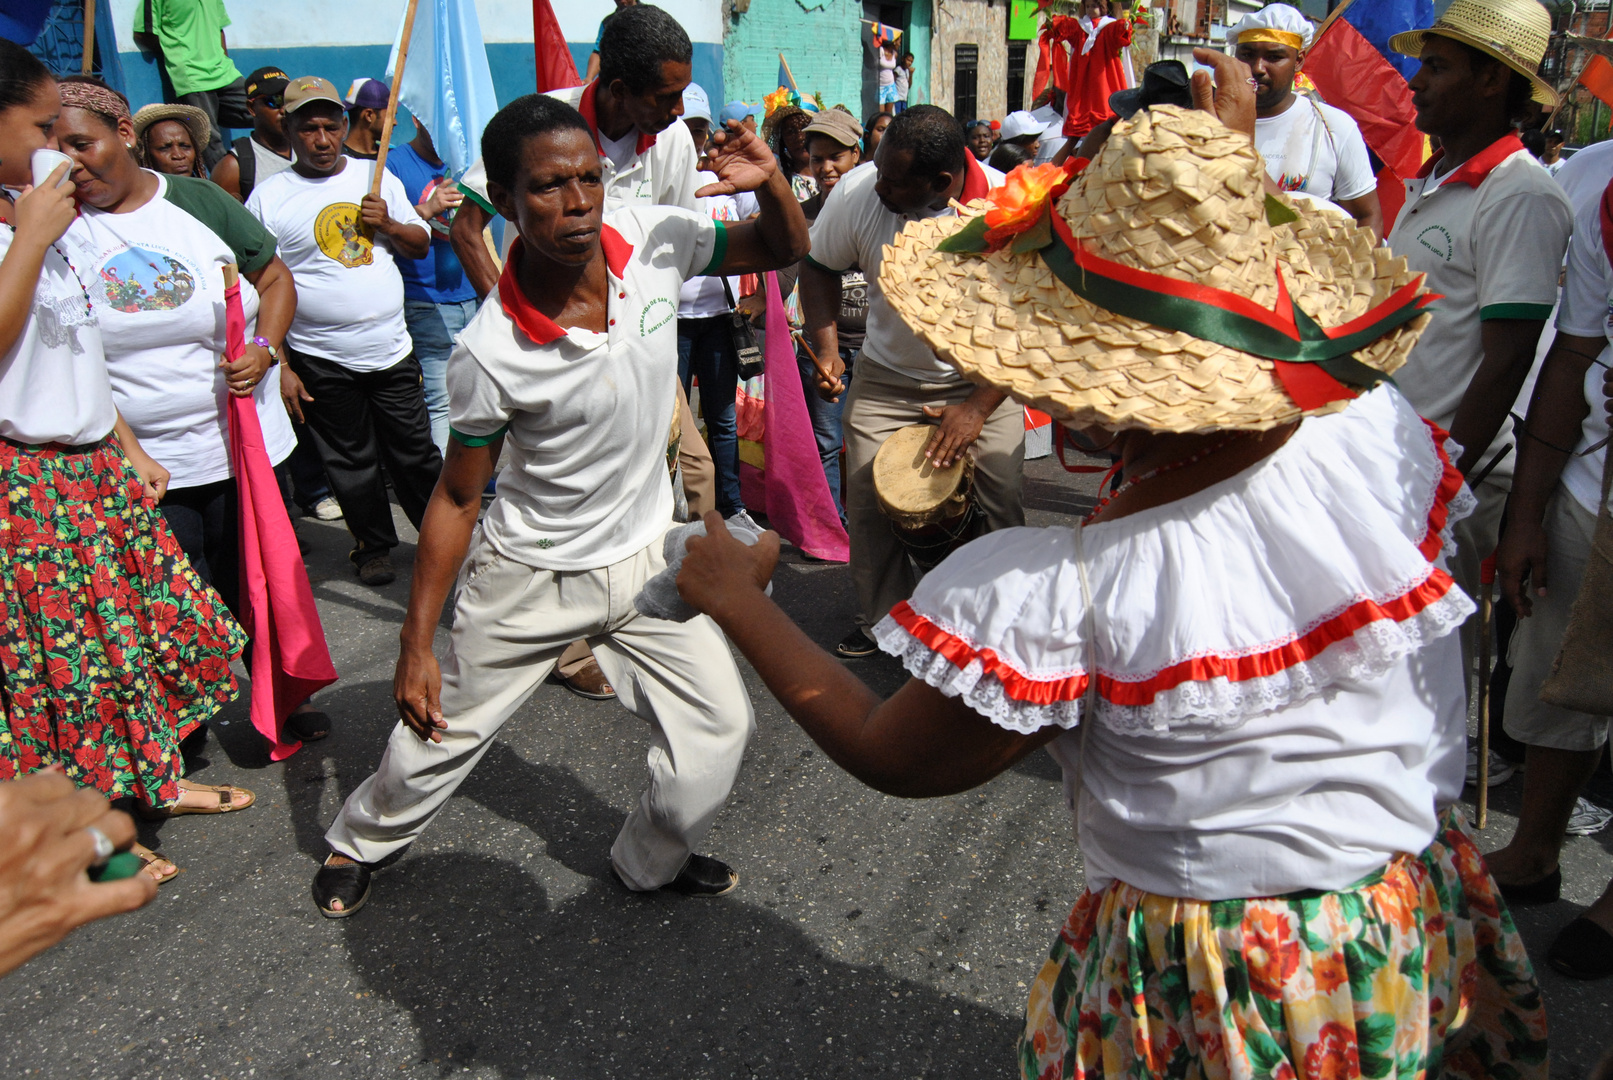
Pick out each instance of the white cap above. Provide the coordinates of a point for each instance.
(1280, 18)
(696, 106)
(1017, 125)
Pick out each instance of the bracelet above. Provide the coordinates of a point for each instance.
(263, 343)
(1543, 442)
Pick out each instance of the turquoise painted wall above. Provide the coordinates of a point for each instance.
(819, 38)
(511, 64)
(917, 42)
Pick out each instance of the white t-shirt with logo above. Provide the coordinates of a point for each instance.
(156, 277)
(1327, 159)
(703, 296)
(585, 415)
(1587, 311)
(349, 291)
(1491, 236)
(852, 230)
(53, 381)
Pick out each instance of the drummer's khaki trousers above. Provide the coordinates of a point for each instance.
(511, 622)
(879, 403)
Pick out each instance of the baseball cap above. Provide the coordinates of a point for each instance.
(300, 91)
(735, 110)
(839, 125)
(1017, 125)
(696, 106)
(266, 81)
(368, 94)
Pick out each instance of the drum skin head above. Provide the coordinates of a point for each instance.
(911, 490)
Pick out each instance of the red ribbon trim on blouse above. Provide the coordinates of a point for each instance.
(1450, 482)
(1022, 688)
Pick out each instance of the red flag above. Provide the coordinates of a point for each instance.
(555, 68)
(290, 659)
(1354, 76)
(1597, 77)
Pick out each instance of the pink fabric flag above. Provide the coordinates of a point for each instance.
(798, 503)
(290, 659)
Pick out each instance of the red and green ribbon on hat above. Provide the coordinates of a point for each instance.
(1315, 365)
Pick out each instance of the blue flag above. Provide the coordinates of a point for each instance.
(784, 78)
(447, 84)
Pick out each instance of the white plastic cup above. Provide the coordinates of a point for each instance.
(44, 162)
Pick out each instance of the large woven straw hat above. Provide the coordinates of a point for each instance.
(1172, 226)
(194, 119)
(1515, 32)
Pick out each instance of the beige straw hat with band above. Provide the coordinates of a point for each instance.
(1515, 32)
(1158, 294)
(194, 119)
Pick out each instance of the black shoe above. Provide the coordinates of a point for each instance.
(855, 645)
(1545, 891)
(349, 883)
(377, 571)
(1582, 951)
(701, 876)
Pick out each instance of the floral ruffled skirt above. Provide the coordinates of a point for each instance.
(112, 649)
(1415, 970)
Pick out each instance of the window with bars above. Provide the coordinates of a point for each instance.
(1017, 52)
(965, 80)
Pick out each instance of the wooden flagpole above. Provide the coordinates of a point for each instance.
(1328, 22)
(89, 37)
(392, 98)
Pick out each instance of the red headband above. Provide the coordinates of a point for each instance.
(97, 99)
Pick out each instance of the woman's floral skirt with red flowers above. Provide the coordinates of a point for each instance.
(1417, 971)
(112, 649)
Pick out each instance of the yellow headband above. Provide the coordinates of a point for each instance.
(1276, 37)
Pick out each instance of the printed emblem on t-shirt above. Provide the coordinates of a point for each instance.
(138, 279)
(1437, 238)
(339, 235)
(656, 314)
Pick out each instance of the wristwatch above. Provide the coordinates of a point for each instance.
(263, 343)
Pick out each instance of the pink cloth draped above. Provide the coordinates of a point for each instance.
(290, 659)
(796, 493)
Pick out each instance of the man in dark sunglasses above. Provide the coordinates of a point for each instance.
(256, 157)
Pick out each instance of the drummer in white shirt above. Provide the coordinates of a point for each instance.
(1309, 147)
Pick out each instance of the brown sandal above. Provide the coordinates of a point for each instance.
(230, 799)
(588, 681)
(149, 859)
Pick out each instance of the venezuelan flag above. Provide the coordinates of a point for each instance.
(1355, 70)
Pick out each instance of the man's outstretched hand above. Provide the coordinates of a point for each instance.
(45, 849)
(740, 159)
(720, 574)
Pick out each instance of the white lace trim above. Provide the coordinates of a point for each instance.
(1191, 708)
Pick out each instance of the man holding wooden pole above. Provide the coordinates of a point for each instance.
(340, 222)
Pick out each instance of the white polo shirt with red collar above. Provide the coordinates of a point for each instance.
(654, 170)
(584, 415)
(1490, 234)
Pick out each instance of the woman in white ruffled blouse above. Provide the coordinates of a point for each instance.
(1244, 660)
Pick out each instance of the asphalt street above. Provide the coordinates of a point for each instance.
(870, 936)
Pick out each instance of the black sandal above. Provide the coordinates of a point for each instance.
(349, 883)
(308, 726)
(1582, 951)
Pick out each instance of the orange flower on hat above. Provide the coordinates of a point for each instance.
(1019, 202)
(777, 100)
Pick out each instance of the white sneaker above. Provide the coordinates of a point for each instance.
(1501, 769)
(745, 521)
(328, 509)
(1588, 818)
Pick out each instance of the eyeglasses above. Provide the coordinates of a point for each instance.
(272, 101)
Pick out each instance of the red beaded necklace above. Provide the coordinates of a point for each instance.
(1132, 481)
(56, 246)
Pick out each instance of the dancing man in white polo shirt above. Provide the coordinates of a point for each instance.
(572, 361)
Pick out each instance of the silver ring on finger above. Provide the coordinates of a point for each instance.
(104, 848)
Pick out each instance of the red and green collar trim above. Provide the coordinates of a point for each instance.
(1314, 365)
(538, 327)
(589, 107)
(1477, 168)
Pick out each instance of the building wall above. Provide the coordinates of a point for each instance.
(343, 42)
(971, 22)
(819, 38)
